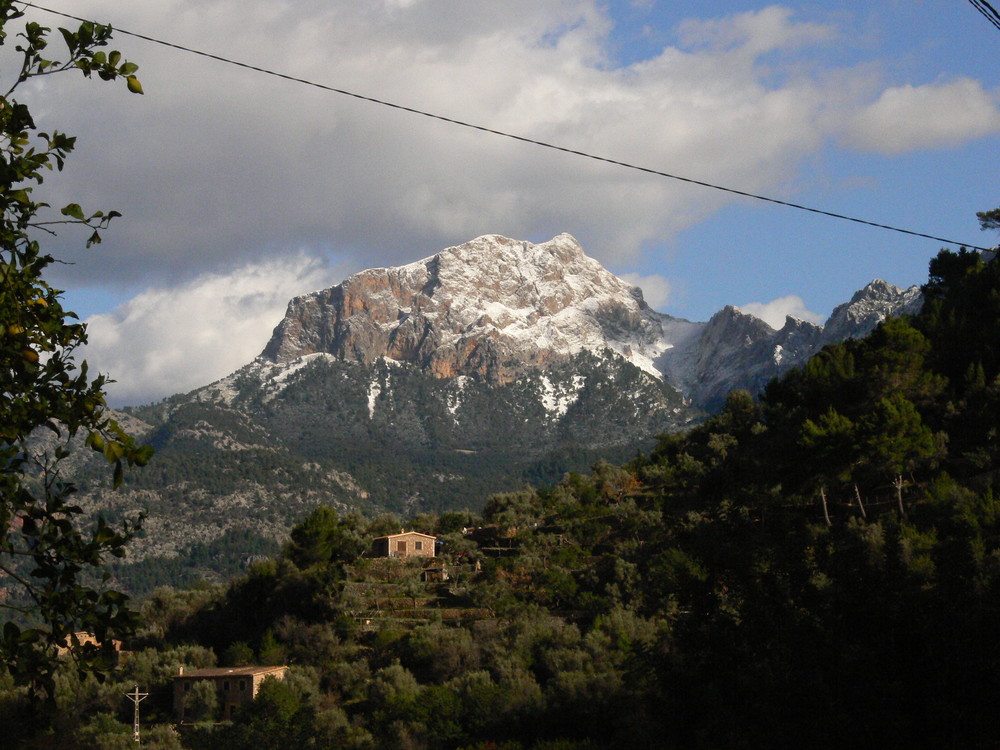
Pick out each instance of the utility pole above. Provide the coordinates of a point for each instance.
(136, 697)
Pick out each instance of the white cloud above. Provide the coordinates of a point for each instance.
(908, 118)
(217, 167)
(774, 312)
(165, 341)
(758, 31)
(217, 164)
(655, 288)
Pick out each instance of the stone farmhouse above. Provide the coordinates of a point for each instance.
(403, 545)
(234, 685)
(85, 638)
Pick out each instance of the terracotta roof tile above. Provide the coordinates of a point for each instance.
(229, 671)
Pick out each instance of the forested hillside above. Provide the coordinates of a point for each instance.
(819, 568)
(429, 387)
(230, 479)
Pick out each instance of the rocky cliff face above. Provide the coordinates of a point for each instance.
(737, 350)
(493, 309)
(869, 307)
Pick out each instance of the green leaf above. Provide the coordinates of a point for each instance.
(74, 210)
(113, 450)
(70, 38)
(11, 632)
(96, 441)
(143, 454)
(103, 535)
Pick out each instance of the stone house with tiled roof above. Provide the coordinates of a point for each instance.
(234, 685)
(404, 544)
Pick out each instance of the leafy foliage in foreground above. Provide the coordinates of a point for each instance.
(45, 545)
(819, 569)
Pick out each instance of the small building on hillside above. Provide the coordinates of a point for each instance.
(404, 544)
(233, 685)
(83, 638)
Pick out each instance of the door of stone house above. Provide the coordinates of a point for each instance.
(401, 547)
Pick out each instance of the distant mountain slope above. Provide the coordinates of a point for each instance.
(433, 385)
(737, 350)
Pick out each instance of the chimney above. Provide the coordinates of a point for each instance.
(180, 671)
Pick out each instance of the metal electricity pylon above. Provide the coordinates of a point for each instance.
(136, 697)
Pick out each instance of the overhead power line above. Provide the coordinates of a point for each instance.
(988, 11)
(514, 136)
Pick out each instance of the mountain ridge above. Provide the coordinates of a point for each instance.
(433, 385)
(489, 308)
(494, 308)
(736, 349)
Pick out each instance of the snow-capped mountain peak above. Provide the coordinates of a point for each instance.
(489, 308)
(496, 308)
(737, 350)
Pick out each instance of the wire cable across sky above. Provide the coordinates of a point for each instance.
(988, 11)
(522, 138)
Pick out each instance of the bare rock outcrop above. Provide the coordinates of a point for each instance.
(491, 308)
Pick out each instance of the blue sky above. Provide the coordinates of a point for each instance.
(767, 251)
(240, 190)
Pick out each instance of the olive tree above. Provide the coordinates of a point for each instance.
(48, 550)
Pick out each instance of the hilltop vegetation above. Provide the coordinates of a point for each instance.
(819, 568)
(231, 477)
